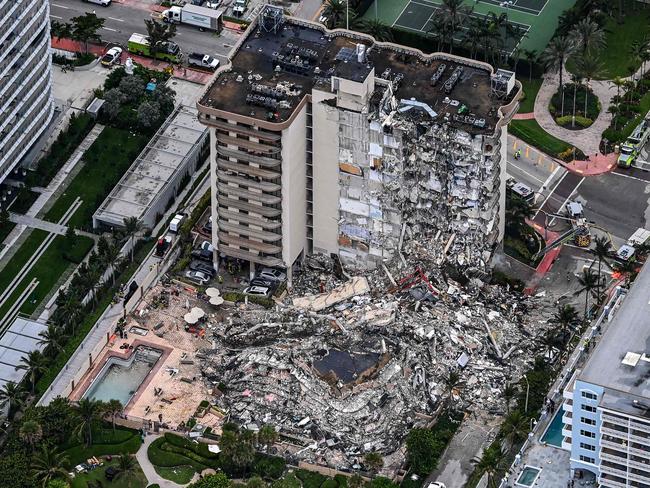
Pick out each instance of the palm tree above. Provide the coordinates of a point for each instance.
(15, 395)
(514, 428)
(588, 36)
(531, 56)
(576, 78)
(126, 468)
(49, 464)
(602, 250)
(452, 382)
(491, 463)
(377, 29)
(618, 82)
(87, 411)
(132, 226)
(71, 311)
(590, 67)
(112, 258)
(497, 24)
(113, 408)
(472, 35)
(374, 461)
(31, 432)
(35, 363)
(337, 13)
(554, 56)
(517, 211)
(52, 338)
(637, 51)
(267, 436)
(509, 393)
(645, 57)
(565, 318)
(588, 282)
(453, 13)
(628, 268)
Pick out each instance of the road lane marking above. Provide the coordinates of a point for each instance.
(109, 29)
(526, 173)
(117, 20)
(567, 200)
(631, 177)
(551, 193)
(56, 17)
(60, 6)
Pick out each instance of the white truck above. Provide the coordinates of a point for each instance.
(202, 61)
(201, 17)
(239, 7)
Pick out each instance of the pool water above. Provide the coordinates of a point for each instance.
(528, 476)
(553, 434)
(346, 366)
(119, 379)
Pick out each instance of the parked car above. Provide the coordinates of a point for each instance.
(112, 56)
(198, 277)
(260, 291)
(206, 246)
(203, 266)
(203, 61)
(203, 255)
(272, 274)
(103, 3)
(177, 222)
(207, 227)
(212, 4)
(162, 245)
(261, 282)
(239, 8)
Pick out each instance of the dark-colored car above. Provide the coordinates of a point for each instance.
(204, 266)
(202, 254)
(162, 245)
(261, 282)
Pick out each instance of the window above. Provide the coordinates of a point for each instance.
(588, 408)
(588, 447)
(587, 421)
(586, 433)
(587, 459)
(589, 395)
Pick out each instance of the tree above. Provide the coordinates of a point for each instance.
(588, 282)
(49, 464)
(70, 237)
(554, 56)
(237, 448)
(565, 318)
(256, 482)
(112, 409)
(158, 35)
(576, 78)
(472, 35)
(148, 114)
(267, 436)
(112, 259)
(52, 338)
(637, 51)
(454, 14)
(85, 28)
(218, 480)
(57, 483)
(14, 394)
(491, 463)
(355, 481)
(132, 87)
(132, 226)
(35, 363)
(590, 67)
(531, 57)
(602, 250)
(126, 467)
(338, 13)
(60, 30)
(588, 36)
(628, 268)
(514, 428)
(113, 101)
(517, 211)
(421, 448)
(452, 383)
(70, 312)
(87, 412)
(509, 393)
(377, 29)
(30, 432)
(374, 461)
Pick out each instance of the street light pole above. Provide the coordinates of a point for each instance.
(347, 14)
(527, 391)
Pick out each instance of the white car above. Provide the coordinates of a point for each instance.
(271, 274)
(260, 291)
(436, 484)
(206, 246)
(198, 277)
(112, 56)
(213, 4)
(103, 3)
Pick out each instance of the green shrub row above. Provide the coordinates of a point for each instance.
(238, 297)
(567, 120)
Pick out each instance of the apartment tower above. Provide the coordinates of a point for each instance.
(26, 103)
(328, 141)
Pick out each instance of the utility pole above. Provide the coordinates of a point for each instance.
(527, 390)
(347, 14)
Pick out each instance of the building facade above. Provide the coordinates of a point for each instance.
(26, 102)
(607, 402)
(327, 141)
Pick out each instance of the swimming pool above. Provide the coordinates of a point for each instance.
(120, 378)
(528, 476)
(553, 434)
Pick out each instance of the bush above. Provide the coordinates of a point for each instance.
(580, 121)
(269, 466)
(593, 105)
(613, 136)
(78, 251)
(310, 479)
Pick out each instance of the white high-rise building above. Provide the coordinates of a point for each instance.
(328, 141)
(26, 102)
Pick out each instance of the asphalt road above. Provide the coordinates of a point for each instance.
(122, 20)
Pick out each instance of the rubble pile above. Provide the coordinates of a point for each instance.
(355, 376)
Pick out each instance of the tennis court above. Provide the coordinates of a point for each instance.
(534, 20)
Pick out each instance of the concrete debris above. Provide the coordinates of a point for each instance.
(342, 367)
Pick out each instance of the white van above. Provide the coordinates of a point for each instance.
(176, 223)
(103, 3)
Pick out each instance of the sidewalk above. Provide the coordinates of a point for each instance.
(148, 469)
(188, 74)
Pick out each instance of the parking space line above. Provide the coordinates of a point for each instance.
(117, 20)
(60, 6)
(550, 193)
(567, 199)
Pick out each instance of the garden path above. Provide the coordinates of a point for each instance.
(148, 469)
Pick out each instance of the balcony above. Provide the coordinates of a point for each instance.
(247, 144)
(244, 156)
(568, 406)
(248, 243)
(243, 130)
(247, 169)
(234, 228)
(263, 198)
(226, 203)
(248, 182)
(567, 418)
(248, 219)
(606, 482)
(249, 256)
(566, 432)
(613, 432)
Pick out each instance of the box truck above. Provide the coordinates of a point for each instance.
(201, 17)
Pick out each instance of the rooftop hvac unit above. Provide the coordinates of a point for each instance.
(271, 18)
(501, 83)
(438, 74)
(453, 79)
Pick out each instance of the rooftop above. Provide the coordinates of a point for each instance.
(302, 55)
(18, 341)
(629, 332)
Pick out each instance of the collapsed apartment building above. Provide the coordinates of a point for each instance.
(328, 141)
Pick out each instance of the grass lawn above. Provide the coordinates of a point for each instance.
(619, 38)
(23, 201)
(644, 105)
(178, 474)
(532, 133)
(5, 230)
(104, 164)
(133, 480)
(527, 105)
(105, 442)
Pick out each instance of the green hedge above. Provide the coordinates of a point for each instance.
(130, 442)
(567, 120)
(237, 297)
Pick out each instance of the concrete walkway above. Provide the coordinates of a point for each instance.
(36, 223)
(148, 469)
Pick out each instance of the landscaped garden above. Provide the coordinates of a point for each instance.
(579, 109)
(530, 89)
(532, 133)
(520, 240)
(629, 107)
(134, 479)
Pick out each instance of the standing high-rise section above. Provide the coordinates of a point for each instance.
(26, 103)
(328, 141)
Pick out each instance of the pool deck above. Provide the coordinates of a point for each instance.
(553, 461)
